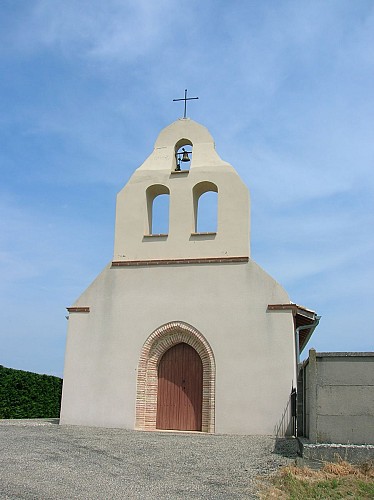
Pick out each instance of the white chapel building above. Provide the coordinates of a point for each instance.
(183, 330)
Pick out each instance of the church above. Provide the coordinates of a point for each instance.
(182, 330)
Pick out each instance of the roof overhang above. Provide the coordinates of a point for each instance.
(302, 317)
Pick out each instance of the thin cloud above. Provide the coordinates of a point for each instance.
(116, 30)
(285, 89)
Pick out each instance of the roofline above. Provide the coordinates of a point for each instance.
(295, 308)
(308, 315)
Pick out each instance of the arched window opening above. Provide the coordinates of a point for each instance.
(207, 213)
(205, 196)
(160, 214)
(158, 209)
(183, 155)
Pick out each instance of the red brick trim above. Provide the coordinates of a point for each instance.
(147, 383)
(78, 309)
(166, 262)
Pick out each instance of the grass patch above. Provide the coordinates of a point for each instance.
(333, 480)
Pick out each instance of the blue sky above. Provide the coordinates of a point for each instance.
(285, 87)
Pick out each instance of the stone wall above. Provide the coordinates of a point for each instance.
(336, 396)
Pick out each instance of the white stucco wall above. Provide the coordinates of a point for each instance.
(226, 302)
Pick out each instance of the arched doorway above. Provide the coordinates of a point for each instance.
(180, 389)
(156, 345)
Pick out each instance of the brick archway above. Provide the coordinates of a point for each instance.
(155, 346)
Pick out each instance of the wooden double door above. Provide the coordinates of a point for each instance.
(180, 389)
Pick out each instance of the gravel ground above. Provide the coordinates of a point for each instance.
(42, 460)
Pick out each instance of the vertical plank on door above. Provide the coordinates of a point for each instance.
(180, 389)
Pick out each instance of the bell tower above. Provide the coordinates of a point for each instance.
(164, 172)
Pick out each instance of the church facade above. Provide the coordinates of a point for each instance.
(182, 330)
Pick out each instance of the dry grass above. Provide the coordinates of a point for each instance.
(333, 480)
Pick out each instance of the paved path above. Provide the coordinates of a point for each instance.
(42, 460)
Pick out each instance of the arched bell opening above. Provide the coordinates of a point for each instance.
(205, 204)
(183, 155)
(157, 344)
(157, 209)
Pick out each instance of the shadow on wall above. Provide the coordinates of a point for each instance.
(287, 423)
(285, 444)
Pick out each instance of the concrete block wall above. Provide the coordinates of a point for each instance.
(338, 397)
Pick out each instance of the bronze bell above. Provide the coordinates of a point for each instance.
(185, 156)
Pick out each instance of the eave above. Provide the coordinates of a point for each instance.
(302, 318)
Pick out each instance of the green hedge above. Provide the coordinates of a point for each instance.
(29, 395)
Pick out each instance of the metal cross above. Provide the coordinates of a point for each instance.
(185, 99)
